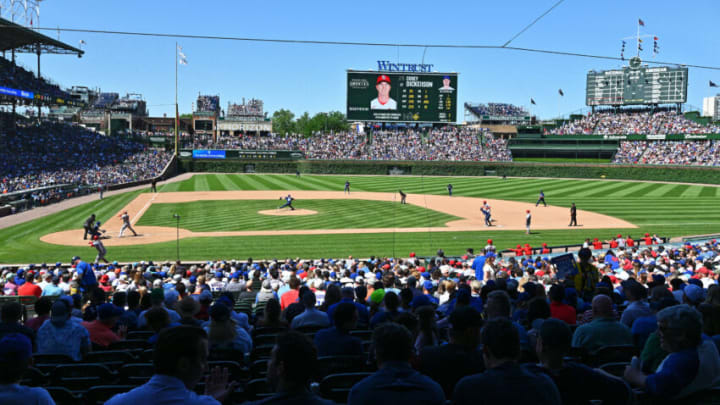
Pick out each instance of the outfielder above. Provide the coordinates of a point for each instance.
(126, 224)
(541, 199)
(528, 218)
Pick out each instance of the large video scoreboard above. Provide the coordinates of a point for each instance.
(401, 96)
(637, 84)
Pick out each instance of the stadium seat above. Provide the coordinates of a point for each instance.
(612, 354)
(135, 373)
(257, 389)
(268, 331)
(63, 396)
(617, 369)
(140, 335)
(336, 387)
(245, 305)
(146, 355)
(129, 344)
(265, 339)
(363, 334)
(261, 352)
(47, 362)
(225, 354)
(33, 377)
(101, 393)
(309, 330)
(111, 358)
(82, 376)
(327, 365)
(258, 368)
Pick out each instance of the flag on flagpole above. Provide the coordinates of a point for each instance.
(641, 22)
(561, 92)
(183, 59)
(532, 101)
(82, 42)
(712, 84)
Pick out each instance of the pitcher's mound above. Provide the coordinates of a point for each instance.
(286, 211)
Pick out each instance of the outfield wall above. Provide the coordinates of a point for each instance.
(684, 174)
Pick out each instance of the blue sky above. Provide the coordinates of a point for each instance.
(312, 77)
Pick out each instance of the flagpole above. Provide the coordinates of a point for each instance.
(637, 43)
(177, 117)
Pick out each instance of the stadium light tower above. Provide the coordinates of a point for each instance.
(23, 12)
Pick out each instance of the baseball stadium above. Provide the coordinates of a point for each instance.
(412, 240)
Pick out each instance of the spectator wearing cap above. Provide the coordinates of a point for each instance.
(693, 363)
(693, 295)
(558, 309)
(501, 348)
(395, 381)
(336, 340)
(604, 330)
(391, 310)
(10, 321)
(15, 360)
(10, 288)
(42, 313)
(180, 361)
(157, 298)
(29, 288)
(348, 296)
(292, 294)
(292, 357)
(645, 325)
(266, 293)
(187, 308)
(223, 334)
(52, 289)
(61, 335)
(461, 357)
(311, 317)
(577, 383)
(100, 330)
(637, 307)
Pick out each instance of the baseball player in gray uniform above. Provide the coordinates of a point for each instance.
(126, 224)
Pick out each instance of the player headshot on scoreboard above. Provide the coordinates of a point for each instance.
(446, 84)
(383, 100)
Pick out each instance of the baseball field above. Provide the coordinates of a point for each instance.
(236, 216)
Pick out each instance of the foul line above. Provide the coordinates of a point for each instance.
(143, 209)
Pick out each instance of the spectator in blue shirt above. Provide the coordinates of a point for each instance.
(85, 273)
(336, 340)
(52, 289)
(395, 381)
(693, 364)
(15, 359)
(348, 295)
(180, 361)
(498, 306)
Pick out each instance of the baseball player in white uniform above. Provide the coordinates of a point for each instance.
(126, 224)
(100, 247)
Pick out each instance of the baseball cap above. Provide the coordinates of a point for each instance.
(383, 78)
(489, 241)
(15, 347)
(75, 258)
(377, 296)
(106, 311)
(59, 312)
(419, 301)
(446, 77)
(693, 293)
(220, 312)
(528, 211)
(428, 285)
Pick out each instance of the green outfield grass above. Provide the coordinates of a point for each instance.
(665, 209)
(242, 215)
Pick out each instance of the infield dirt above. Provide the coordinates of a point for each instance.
(507, 215)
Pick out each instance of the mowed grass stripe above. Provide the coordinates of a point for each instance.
(226, 183)
(577, 189)
(630, 189)
(676, 191)
(691, 192)
(708, 192)
(299, 183)
(255, 182)
(660, 190)
(607, 190)
(276, 183)
(643, 192)
(213, 182)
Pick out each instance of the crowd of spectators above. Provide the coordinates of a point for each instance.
(16, 77)
(693, 153)
(50, 154)
(636, 122)
(480, 328)
(449, 143)
(498, 109)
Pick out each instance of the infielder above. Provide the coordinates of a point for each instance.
(449, 188)
(541, 199)
(288, 202)
(402, 197)
(126, 224)
(528, 219)
(97, 244)
(347, 187)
